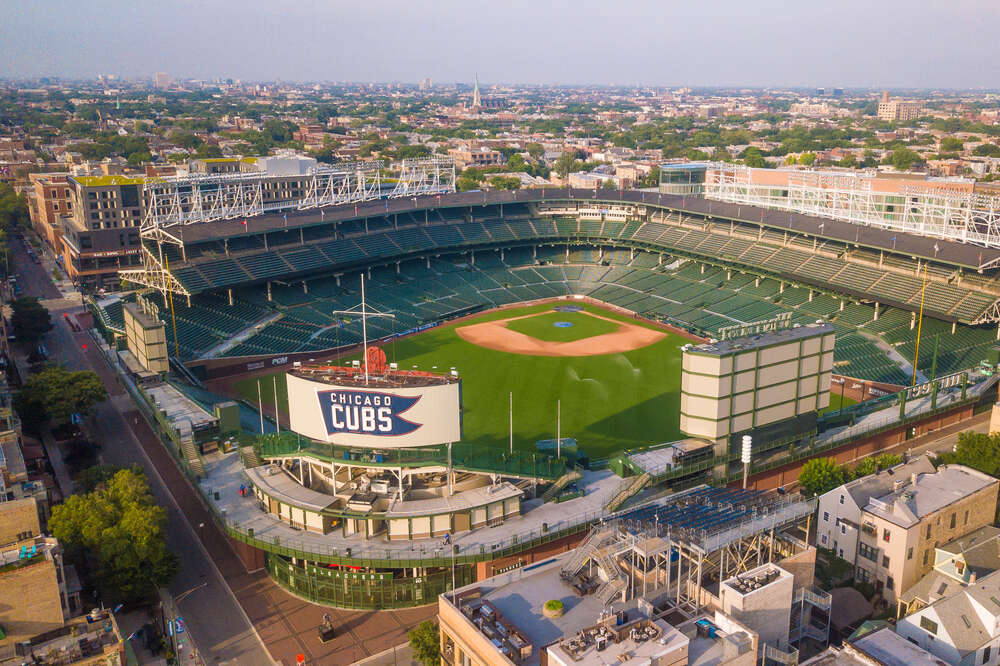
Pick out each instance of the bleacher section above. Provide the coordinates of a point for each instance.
(696, 296)
(858, 273)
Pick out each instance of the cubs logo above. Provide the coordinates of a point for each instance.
(366, 413)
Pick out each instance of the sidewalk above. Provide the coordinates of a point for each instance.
(55, 456)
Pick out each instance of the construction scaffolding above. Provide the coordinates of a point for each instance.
(934, 208)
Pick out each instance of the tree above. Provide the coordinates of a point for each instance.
(426, 643)
(976, 450)
(13, 207)
(56, 393)
(505, 182)
(820, 475)
(903, 159)
(117, 532)
(464, 184)
(30, 320)
(517, 163)
(873, 464)
(808, 159)
(950, 144)
(535, 150)
(98, 476)
(565, 164)
(986, 150)
(752, 157)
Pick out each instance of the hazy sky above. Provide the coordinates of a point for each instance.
(870, 43)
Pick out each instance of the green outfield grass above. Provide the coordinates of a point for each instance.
(838, 401)
(544, 327)
(609, 402)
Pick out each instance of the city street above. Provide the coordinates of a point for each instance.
(232, 615)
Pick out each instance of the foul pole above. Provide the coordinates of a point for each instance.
(920, 323)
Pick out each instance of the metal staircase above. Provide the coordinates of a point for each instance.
(627, 489)
(560, 483)
(598, 547)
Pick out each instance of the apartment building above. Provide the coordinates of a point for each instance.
(476, 156)
(49, 201)
(892, 110)
(900, 530)
(957, 564)
(839, 510)
(960, 628)
(39, 600)
(102, 234)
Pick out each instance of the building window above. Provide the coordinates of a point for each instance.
(909, 553)
(889, 582)
(843, 529)
(925, 555)
(885, 535)
(885, 561)
(826, 516)
(952, 524)
(928, 530)
(966, 516)
(823, 539)
(986, 654)
(863, 575)
(928, 625)
(867, 552)
(841, 499)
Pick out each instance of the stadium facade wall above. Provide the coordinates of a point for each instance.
(860, 390)
(895, 440)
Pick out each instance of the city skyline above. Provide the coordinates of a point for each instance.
(726, 44)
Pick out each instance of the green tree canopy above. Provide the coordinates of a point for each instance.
(976, 450)
(117, 532)
(752, 157)
(29, 320)
(950, 144)
(903, 159)
(13, 207)
(820, 475)
(426, 643)
(56, 393)
(505, 182)
(535, 150)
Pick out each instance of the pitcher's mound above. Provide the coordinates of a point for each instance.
(495, 335)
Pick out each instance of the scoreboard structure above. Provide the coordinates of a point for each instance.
(744, 383)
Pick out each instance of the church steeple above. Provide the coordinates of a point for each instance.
(477, 101)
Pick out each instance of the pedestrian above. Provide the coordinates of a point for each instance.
(447, 538)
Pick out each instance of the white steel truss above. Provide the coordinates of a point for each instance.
(190, 199)
(205, 198)
(428, 175)
(925, 208)
(180, 200)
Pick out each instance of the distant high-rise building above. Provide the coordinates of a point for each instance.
(161, 80)
(426, 84)
(838, 92)
(477, 100)
(895, 110)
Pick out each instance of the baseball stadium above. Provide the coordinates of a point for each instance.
(434, 386)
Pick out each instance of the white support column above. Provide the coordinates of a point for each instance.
(268, 291)
(841, 305)
(913, 322)
(781, 289)
(810, 295)
(876, 311)
(229, 293)
(954, 325)
(305, 287)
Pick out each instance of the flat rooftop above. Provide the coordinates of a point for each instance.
(750, 342)
(891, 649)
(179, 408)
(928, 493)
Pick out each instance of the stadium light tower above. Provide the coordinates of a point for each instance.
(364, 312)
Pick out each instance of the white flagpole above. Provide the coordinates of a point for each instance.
(364, 327)
(558, 428)
(512, 423)
(277, 416)
(260, 408)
